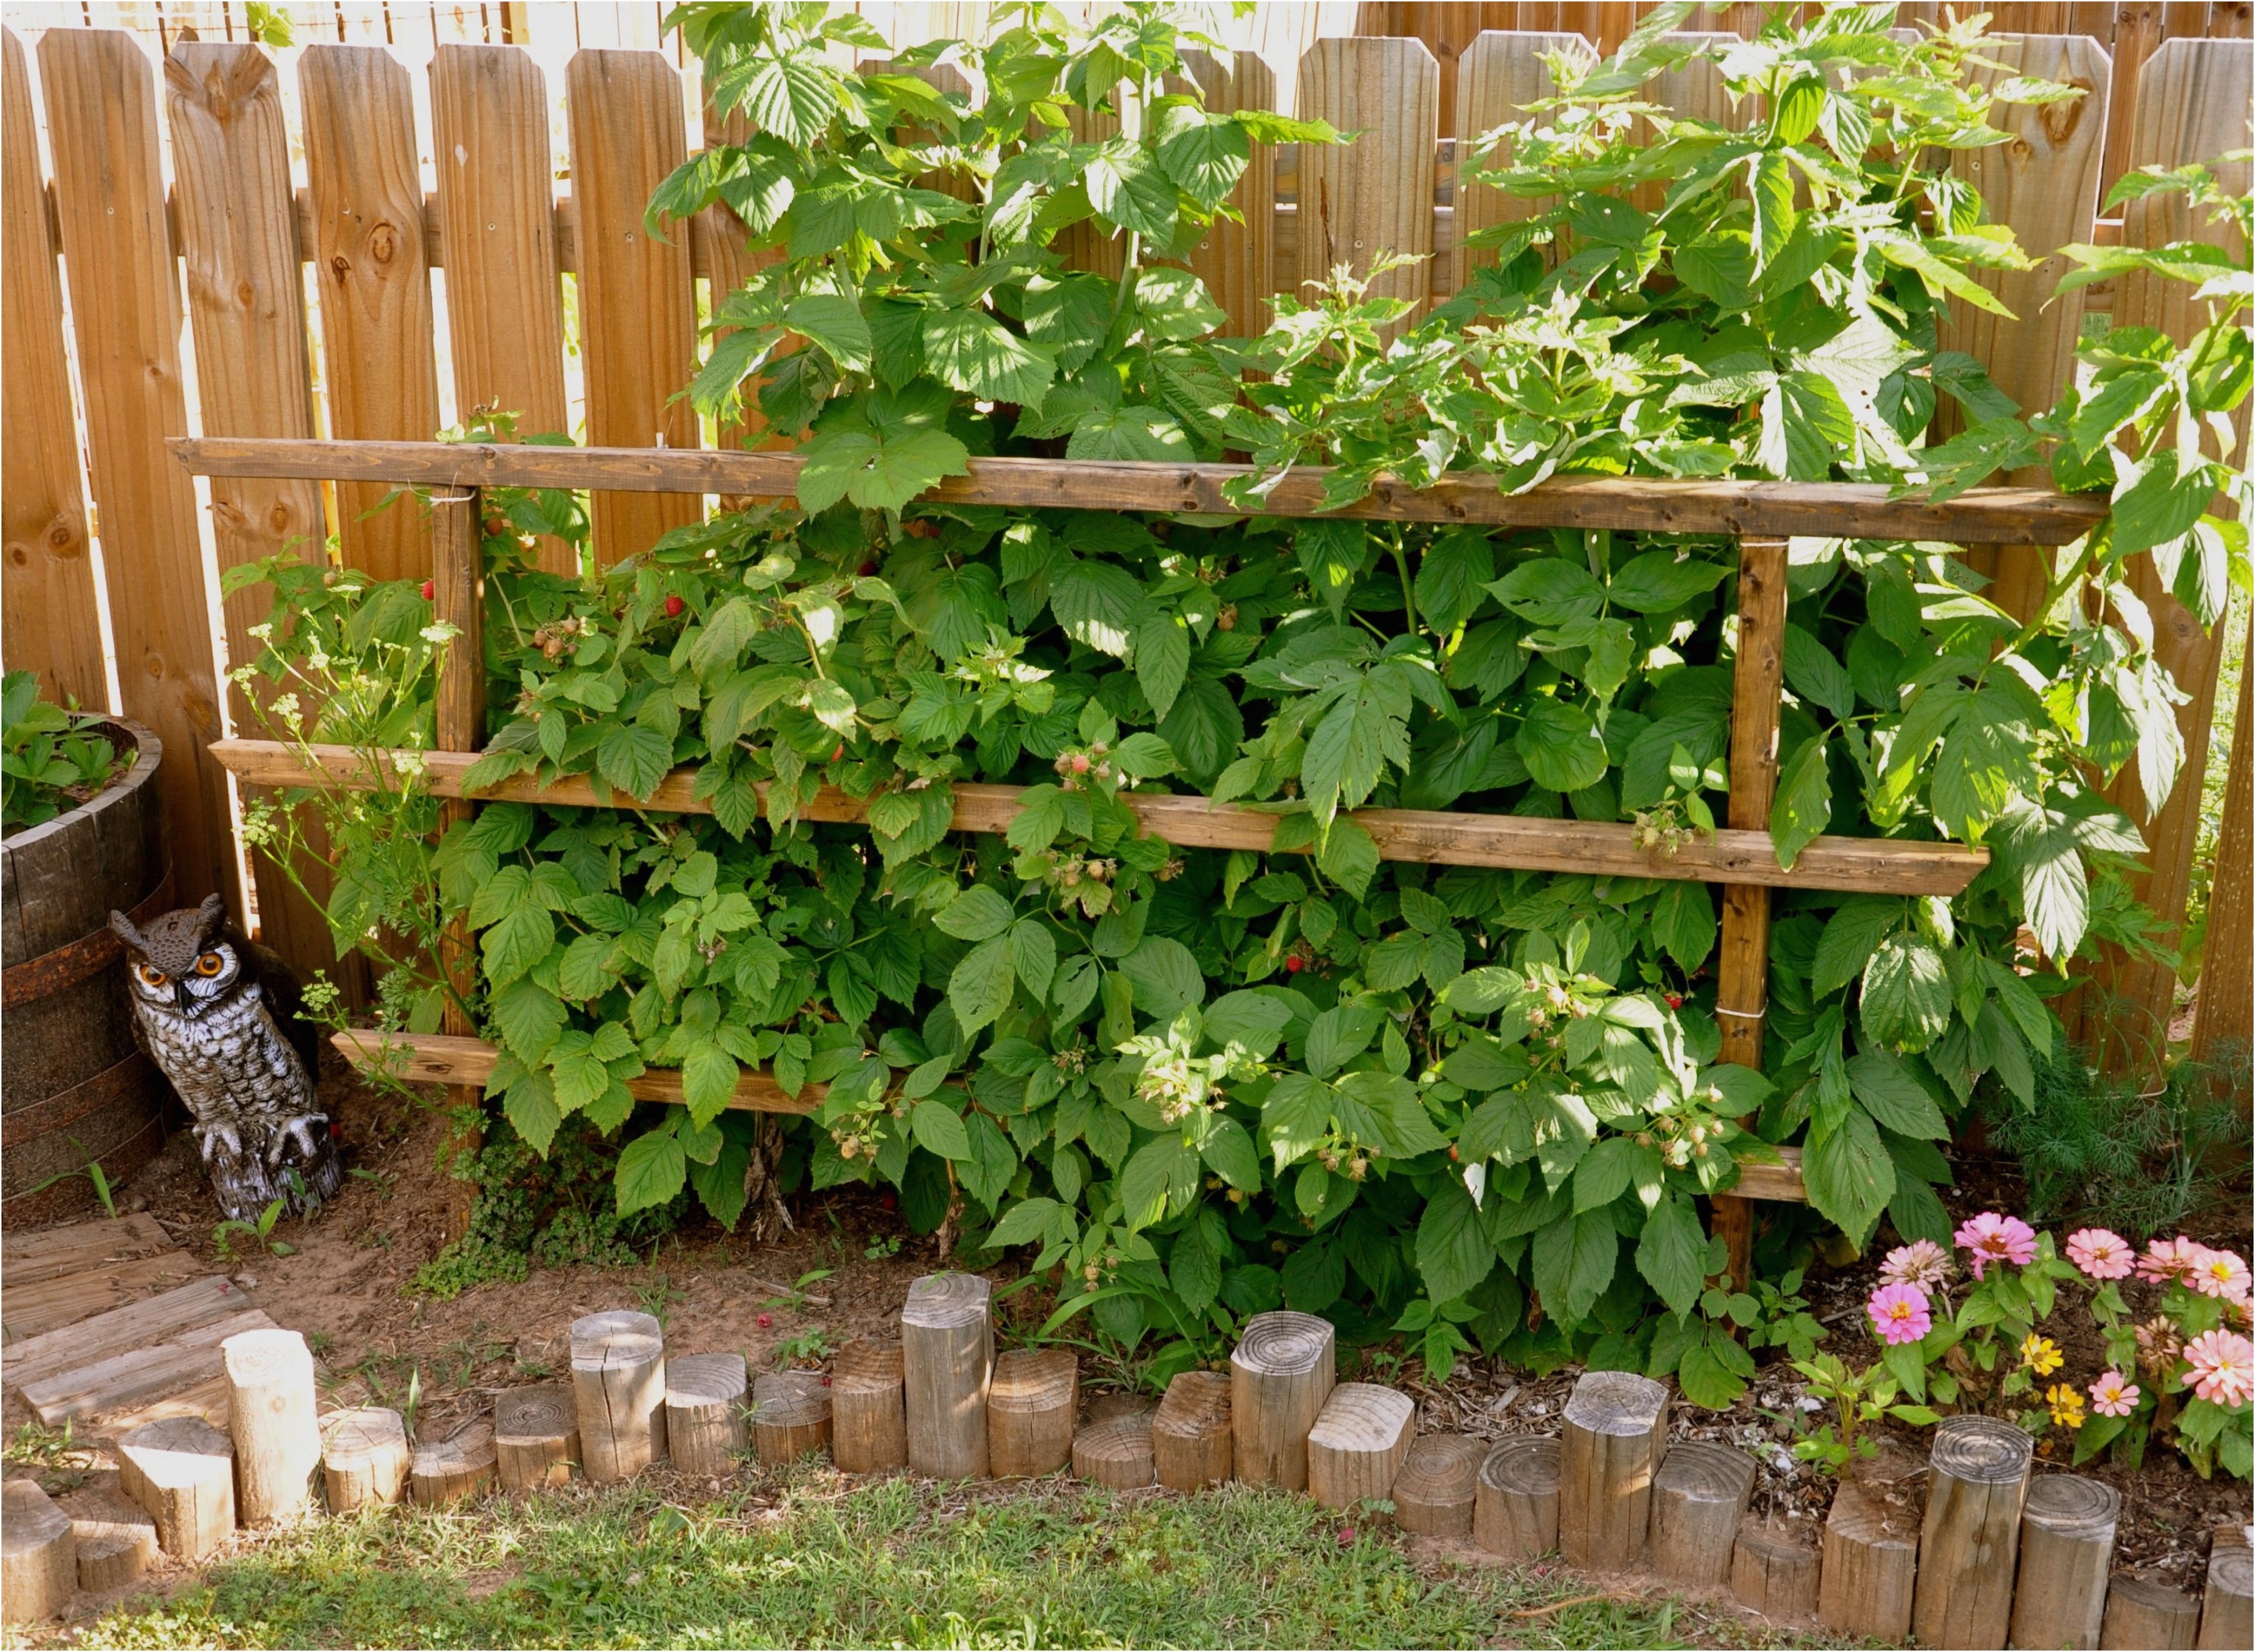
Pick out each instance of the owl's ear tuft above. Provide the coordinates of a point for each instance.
(122, 927)
(211, 918)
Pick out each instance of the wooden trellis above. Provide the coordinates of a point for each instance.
(1760, 516)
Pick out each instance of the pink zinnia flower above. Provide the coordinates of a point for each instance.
(2113, 1394)
(2100, 1254)
(1994, 1238)
(1900, 1313)
(2168, 1259)
(2221, 1273)
(2222, 1367)
(1921, 1263)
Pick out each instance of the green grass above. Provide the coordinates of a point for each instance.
(891, 1563)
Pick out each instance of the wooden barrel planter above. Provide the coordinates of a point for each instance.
(75, 1087)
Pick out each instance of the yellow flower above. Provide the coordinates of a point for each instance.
(2066, 1404)
(2041, 1355)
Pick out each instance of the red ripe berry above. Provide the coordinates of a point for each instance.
(1079, 764)
(888, 1199)
(766, 1319)
(429, 589)
(840, 752)
(1294, 964)
(1676, 1000)
(868, 568)
(825, 1382)
(1346, 1536)
(673, 606)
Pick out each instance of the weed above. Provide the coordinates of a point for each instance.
(810, 1346)
(656, 1296)
(883, 1249)
(261, 1231)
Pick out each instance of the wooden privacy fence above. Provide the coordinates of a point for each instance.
(1760, 516)
(484, 242)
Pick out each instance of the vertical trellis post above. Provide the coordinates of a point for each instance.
(456, 564)
(1742, 987)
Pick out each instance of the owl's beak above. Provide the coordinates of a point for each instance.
(180, 997)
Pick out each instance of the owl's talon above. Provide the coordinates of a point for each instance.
(302, 1127)
(210, 1134)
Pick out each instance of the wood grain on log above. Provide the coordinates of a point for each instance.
(2150, 1613)
(947, 1355)
(1436, 1485)
(1774, 1572)
(1358, 1442)
(38, 1555)
(2225, 1618)
(2067, 1549)
(1616, 1430)
(181, 1470)
(1698, 1499)
(454, 1469)
(364, 1458)
(1985, 516)
(1191, 1431)
(1116, 1452)
(1515, 1505)
(705, 1412)
(536, 1438)
(1032, 1406)
(791, 1415)
(1871, 1565)
(868, 1417)
(275, 1422)
(1976, 1481)
(1280, 1374)
(117, 1540)
(618, 1393)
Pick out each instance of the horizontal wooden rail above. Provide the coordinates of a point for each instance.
(1870, 866)
(1985, 516)
(431, 1057)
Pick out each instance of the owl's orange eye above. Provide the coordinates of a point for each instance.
(151, 975)
(210, 964)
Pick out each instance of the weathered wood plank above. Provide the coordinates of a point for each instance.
(48, 615)
(100, 96)
(139, 1375)
(637, 309)
(232, 206)
(152, 1319)
(372, 268)
(36, 1307)
(52, 1252)
(1376, 194)
(1985, 516)
(1438, 838)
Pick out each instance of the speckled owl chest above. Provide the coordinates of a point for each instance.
(231, 1058)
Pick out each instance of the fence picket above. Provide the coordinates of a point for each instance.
(638, 309)
(1237, 261)
(722, 250)
(2193, 105)
(497, 234)
(1376, 194)
(373, 271)
(1497, 78)
(100, 96)
(246, 304)
(2044, 184)
(51, 621)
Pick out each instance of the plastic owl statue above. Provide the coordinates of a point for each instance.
(212, 1011)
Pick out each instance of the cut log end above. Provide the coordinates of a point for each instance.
(1032, 1408)
(117, 1540)
(1116, 1452)
(1774, 1572)
(454, 1469)
(38, 1555)
(1699, 1497)
(1616, 1430)
(536, 1438)
(618, 1393)
(1191, 1431)
(2067, 1548)
(275, 1422)
(2149, 1613)
(1357, 1445)
(947, 1360)
(705, 1412)
(868, 1420)
(1281, 1374)
(364, 1458)
(1515, 1500)
(1970, 1542)
(1871, 1565)
(1436, 1485)
(2225, 1615)
(791, 1415)
(181, 1470)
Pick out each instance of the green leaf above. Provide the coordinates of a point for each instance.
(1672, 1253)
(515, 944)
(1127, 187)
(1906, 998)
(1027, 1220)
(1802, 807)
(1574, 1260)
(1349, 751)
(979, 986)
(1814, 674)
(940, 1129)
(529, 1018)
(1229, 1151)
(652, 1171)
(708, 1080)
(792, 97)
(1166, 978)
(1452, 577)
(834, 322)
(979, 913)
(1893, 1097)
(634, 758)
(1849, 1175)
(1454, 1252)
(1851, 935)
(1204, 154)
(1033, 955)
(1145, 1184)
(1561, 745)
(972, 352)
(873, 474)
(1162, 660)
(1659, 581)
(1683, 921)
